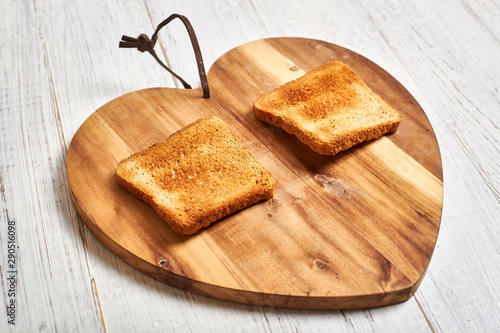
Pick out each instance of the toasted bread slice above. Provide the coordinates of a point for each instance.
(330, 109)
(197, 176)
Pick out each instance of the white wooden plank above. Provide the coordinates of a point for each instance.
(51, 269)
(88, 67)
(218, 25)
(457, 87)
(84, 43)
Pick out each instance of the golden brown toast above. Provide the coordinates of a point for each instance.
(197, 176)
(330, 109)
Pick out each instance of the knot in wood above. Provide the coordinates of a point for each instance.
(323, 178)
(272, 203)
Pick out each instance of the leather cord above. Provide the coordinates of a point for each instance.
(143, 43)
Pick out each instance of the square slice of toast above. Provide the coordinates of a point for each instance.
(329, 109)
(197, 176)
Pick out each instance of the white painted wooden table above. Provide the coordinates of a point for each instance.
(59, 61)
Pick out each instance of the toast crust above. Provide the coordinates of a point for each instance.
(329, 109)
(199, 175)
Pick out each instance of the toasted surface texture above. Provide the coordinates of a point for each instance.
(197, 176)
(330, 109)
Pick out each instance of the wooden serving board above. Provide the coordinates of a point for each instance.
(350, 231)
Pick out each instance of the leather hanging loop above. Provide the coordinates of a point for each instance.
(145, 44)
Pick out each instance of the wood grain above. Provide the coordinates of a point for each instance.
(350, 231)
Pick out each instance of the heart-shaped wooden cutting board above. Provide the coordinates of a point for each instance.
(350, 231)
